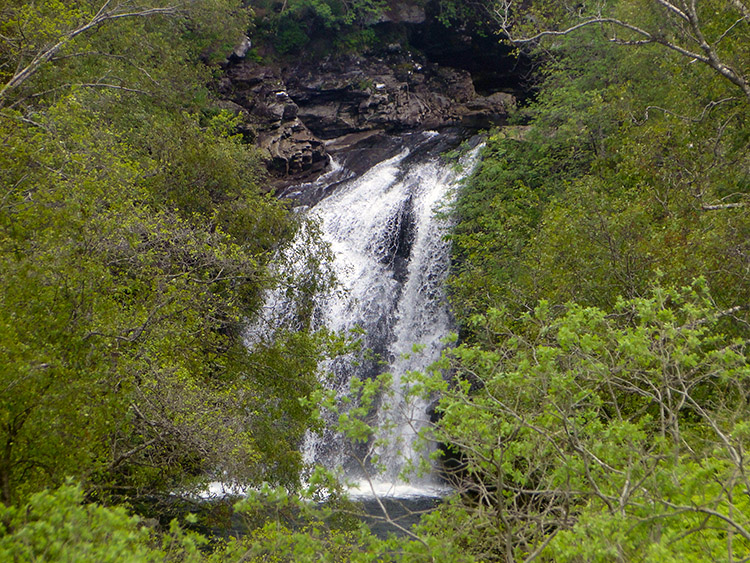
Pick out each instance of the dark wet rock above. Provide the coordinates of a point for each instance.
(397, 93)
(354, 107)
(294, 151)
(360, 151)
(395, 248)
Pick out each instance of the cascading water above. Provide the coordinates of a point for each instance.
(391, 259)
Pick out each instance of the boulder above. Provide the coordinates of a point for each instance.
(294, 152)
(240, 51)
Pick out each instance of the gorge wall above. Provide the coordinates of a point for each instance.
(305, 108)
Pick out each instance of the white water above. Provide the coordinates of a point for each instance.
(391, 259)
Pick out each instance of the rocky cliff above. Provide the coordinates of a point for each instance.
(304, 110)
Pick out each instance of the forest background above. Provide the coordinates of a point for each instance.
(597, 400)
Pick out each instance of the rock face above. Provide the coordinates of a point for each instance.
(395, 93)
(271, 119)
(305, 111)
(401, 11)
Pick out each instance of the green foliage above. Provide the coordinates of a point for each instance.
(136, 240)
(135, 47)
(291, 26)
(135, 243)
(611, 179)
(337, 13)
(582, 425)
(356, 41)
(58, 526)
(458, 12)
(600, 436)
(503, 205)
(291, 37)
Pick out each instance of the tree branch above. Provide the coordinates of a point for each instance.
(708, 56)
(719, 206)
(130, 453)
(711, 512)
(89, 85)
(46, 54)
(744, 10)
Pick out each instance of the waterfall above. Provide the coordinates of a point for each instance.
(391, 259)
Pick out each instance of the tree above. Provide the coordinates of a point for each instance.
(109, 296)
(714, 33)
(30, 42)
(58, 526)
(629, 172)
(135, 242)
(81, 43)
(626, 163)
(600, 436)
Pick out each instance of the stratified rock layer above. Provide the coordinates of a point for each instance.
(305, 111)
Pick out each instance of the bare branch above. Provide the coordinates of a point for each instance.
(101, 54)
(46, 54)
(674, 9)
(706, 54)
(706, 110)
(130, 453)
(742, 8)
(729, 29)
(719, 206)
(711, 512)
(574, 28)
(88, 85)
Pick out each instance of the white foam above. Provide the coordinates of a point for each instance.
(369, 489)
